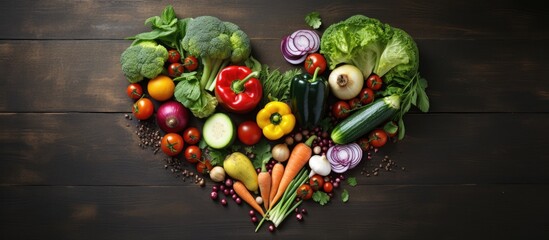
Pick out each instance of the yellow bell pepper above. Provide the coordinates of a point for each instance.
(276, 120)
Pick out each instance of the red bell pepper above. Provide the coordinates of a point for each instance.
(237, 89)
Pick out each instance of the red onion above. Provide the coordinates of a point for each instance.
(296, 46)
(172, 116)
(344, 157)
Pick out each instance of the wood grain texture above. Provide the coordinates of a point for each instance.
(425, 19)
(175, 212)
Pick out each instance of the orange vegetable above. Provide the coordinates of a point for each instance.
(246, 196)
(264, 181)
(276, 175)
(298, 158)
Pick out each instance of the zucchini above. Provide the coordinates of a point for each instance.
(218, 131)
(365, 119)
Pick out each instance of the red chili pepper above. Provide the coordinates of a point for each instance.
(237, 89)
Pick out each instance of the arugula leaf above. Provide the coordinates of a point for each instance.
(313, 20)
(321, 197)
(345, 196)
(352, 181)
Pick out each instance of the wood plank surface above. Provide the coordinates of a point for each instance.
(475, 165)
(175, 212)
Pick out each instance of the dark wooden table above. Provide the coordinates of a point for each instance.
(70, 166)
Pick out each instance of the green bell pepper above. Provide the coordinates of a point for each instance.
(308, 98)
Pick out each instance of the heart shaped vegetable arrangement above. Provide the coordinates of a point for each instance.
(321, 122)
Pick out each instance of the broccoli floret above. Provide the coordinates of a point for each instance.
(217, 43)
(143, 59)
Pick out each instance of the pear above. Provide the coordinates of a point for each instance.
(238, 166)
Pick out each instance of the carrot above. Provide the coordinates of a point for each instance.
(276, 175)
(298, 158)
(264, 181)
(241, 190)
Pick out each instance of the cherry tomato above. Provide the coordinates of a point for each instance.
(193, 154)
(249, 132)
(134, 91)
(190, 63)
(305, 192)
(173, 56)
(377, 138)
(355, 103)
(364, 144)
(172, 144)
(204, 167)
(143, 109)
(366, 96)
(316, 182)
(341, 109)
(328, 187)
(191, 135)
(313, 61)
(176, 69)
(374, 82)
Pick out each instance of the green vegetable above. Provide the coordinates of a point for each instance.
(167, 29)
(216, 43)
(345, 195)
(309, 95)
(321, 197)
(189, 93)
(365, 119)
(352, 181)
(143, 59)
(276, 84)
(287, 203)
(313, 20)
(218, 131)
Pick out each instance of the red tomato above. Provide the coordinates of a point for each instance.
(173, 56)
(191, 135)
(364, 143)
(378, 138)
(134, 91)
(175, 69)
(366, 96)
(355, 103)
(204, 167)
(313, 61)
(305, 192)
(190, 63)
(143, 108)
(328, 187)
(172, 144)
(249, 132)
(193, 154)
(316, 182)
(374, 82)
(341, 109)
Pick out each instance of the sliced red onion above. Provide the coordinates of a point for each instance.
(344, 157)
(297, 45)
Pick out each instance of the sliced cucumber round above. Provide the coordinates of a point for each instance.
(218, 131)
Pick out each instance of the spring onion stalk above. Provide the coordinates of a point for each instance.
(287, 203)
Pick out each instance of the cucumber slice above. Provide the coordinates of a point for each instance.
(218, 131)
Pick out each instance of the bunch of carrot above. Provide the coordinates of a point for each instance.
(275, 186)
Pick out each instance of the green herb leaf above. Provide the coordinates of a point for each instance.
(352, 181)
(345, 195)
(321, 197)
(423, 100)
(313, 20)
(401, 129)
(217, 156)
